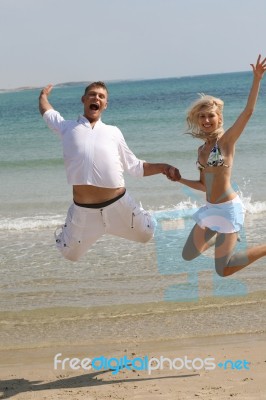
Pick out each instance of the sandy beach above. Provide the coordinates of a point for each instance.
(30, 374)
(210, 349)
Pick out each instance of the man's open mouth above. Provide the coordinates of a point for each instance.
(94, 107)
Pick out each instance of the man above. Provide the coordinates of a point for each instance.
(95, 156)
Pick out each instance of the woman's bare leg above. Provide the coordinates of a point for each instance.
(227, 263)
(199, 240)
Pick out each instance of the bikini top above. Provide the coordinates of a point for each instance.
(215, 159)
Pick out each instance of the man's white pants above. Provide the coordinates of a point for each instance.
(84, 226)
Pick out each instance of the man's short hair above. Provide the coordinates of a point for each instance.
(96, 84)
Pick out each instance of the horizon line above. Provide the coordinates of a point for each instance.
(30, 87)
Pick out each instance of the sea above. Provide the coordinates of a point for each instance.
(118, 281)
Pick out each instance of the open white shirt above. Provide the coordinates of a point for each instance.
(95, 156)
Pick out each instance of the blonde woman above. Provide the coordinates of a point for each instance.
(223, 215)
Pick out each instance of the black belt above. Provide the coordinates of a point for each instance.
(100, 205)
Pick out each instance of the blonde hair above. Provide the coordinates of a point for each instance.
(208, 103)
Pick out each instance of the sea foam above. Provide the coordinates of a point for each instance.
(184, 209)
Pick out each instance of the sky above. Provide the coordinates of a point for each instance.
(56, 41)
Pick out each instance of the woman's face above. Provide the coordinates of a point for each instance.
(209, 120)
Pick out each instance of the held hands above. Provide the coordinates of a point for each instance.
(172, 173)
(259, 68)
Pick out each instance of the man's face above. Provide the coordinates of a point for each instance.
(95, 102)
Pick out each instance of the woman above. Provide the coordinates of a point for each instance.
(223, 216)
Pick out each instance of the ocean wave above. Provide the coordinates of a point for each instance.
(14, 164)
(184, 209)
(254, 208)
(36, 222)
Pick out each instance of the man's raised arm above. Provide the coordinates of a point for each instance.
(44, 104)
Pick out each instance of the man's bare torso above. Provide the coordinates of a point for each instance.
(88, 194)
